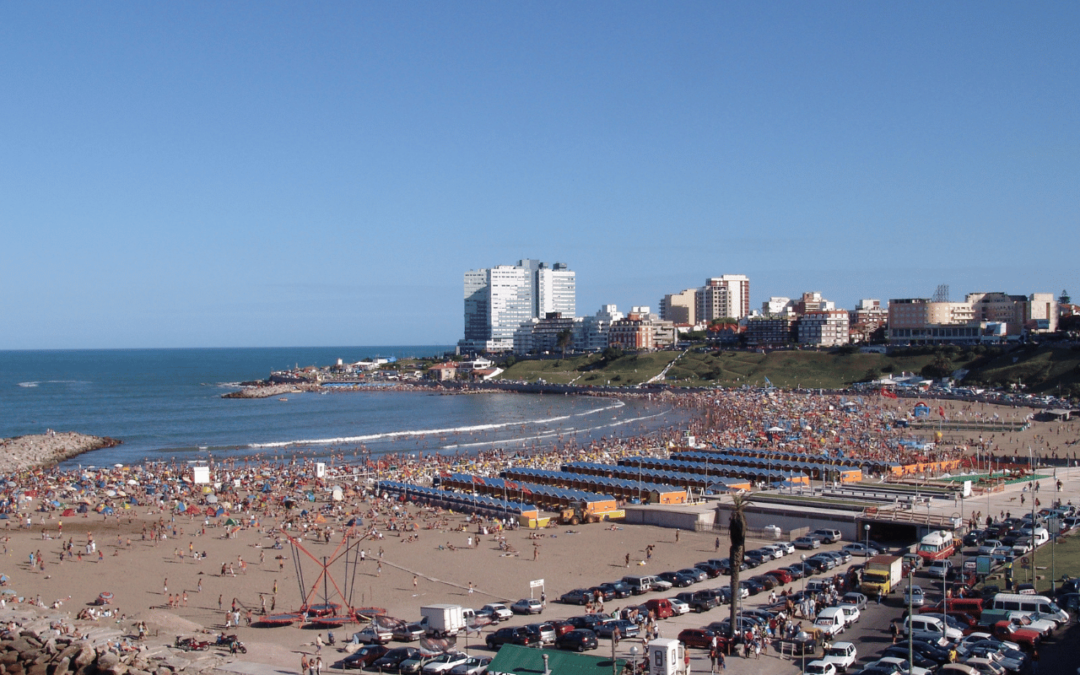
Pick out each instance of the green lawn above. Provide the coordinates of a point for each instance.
(1059, 559)
(1042, 370)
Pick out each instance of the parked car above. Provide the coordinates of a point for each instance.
(516, 635)
(373, 635)
(443, 663)
(698, 601)
(676, 579)
(544, 631)
(498, 611)
(393, 659)
(577, 640)
(408, 632)
(364, 656)
(827, 536)
(819, 667)
(807, 542)
(475, 665)
(626, 628)
(702, 638)
(618, 589)
(679, 606)
(841, 654)
(578, 596)
(527, 606)
(695, 574)
(857, 599)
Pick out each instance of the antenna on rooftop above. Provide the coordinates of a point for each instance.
(942, 293)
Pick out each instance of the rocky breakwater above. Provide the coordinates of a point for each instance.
(268, 390)
(28, 452)
(27, 652)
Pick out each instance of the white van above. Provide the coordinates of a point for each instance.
(1017, 602)
(924, 627)
(1041, 535)
(640, 585)
(831, 621)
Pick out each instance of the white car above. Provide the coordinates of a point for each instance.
(775, 550)
(498, 611)
(988, 546)
(851, 613)
(840, 654)
(899, 665)
(979, 636)
(679, 606)
(373, 635)
(785, 546)
(917, 599)
(445, 662)
(939, 568)
(819, 667)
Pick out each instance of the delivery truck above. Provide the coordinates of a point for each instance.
(442, 620)
(882, 574)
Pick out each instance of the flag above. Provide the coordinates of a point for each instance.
(511, 485)
(526, 491)
(887, 393)
(941, 410)
(478, 480)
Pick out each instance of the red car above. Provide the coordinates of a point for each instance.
(783, 576)
(702, 638)
(562, 627)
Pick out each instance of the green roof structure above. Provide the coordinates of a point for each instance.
(518, 660)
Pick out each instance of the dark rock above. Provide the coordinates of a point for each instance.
(61, 666)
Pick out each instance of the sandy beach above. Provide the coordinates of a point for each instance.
(431, 564)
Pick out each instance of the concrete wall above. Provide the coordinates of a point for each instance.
(787, 518)
(688, 518)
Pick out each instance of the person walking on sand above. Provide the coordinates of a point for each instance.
(303, 664)
(414, 580)
(628, 560)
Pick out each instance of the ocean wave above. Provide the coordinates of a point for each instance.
(37, 383)
(28, 385)
(614, 406)
(404, 434)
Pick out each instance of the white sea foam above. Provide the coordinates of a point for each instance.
(405, 434)
(28, 385)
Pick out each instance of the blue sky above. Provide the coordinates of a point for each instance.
(265, 174)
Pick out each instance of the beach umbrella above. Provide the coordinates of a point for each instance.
(212, 499)
(219, 511)
(108, 510)
(67, 513)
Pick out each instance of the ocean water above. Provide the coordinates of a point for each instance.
(165, 404)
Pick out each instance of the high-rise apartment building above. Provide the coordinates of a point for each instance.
(680, 307)
(498, 300)
(727, 296)
(556, 290)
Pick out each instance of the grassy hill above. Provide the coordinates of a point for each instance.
(1040, 369)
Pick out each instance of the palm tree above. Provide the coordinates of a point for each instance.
(563, 340)
(737, 530)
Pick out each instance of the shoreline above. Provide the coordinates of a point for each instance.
(33, 451)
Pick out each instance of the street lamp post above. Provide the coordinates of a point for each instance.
(804, 575)
(866, 528)
(1031, 562)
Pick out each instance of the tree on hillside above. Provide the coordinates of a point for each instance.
(737, 531)
(563, 340)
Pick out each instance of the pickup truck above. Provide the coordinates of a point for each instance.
(1028, 640)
